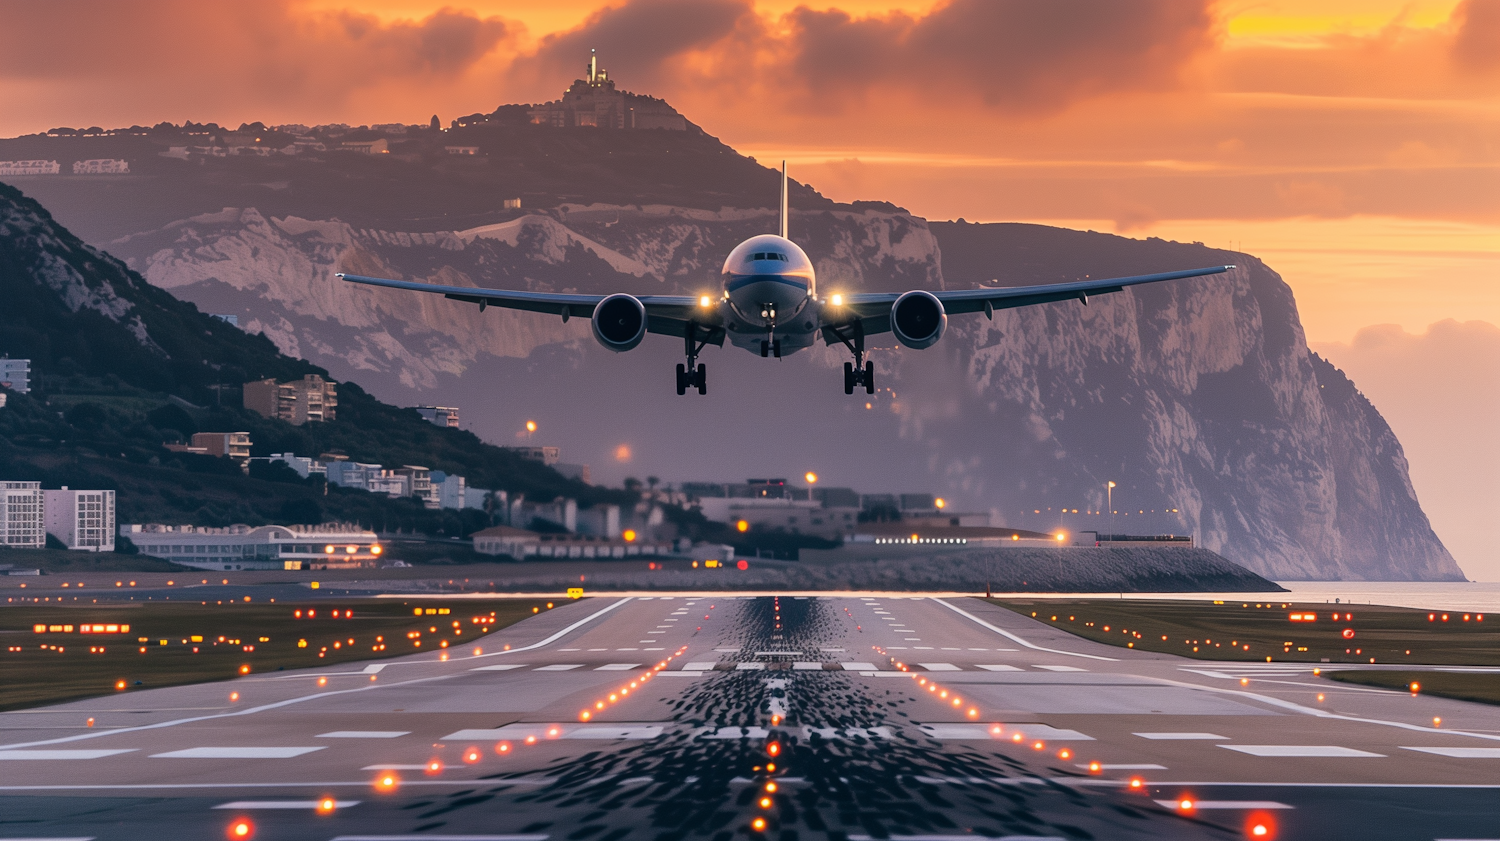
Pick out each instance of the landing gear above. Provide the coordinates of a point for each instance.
(694, 374)
(770, 347)
(688, 378)
(859, 376)
(861, 371)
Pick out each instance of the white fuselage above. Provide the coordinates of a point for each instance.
(771, 290)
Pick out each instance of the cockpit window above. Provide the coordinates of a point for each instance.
(769, 255)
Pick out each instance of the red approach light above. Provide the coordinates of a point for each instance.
(743, 564)
(241, 828)
(1348, 633)
(773, 748)
(1260, 826)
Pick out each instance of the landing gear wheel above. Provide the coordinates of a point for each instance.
(848, 377)
(702, 378)
(765, 349)
(776, 348)
(869, 377)
(682, 378)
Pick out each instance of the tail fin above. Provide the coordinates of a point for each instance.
(783, 200)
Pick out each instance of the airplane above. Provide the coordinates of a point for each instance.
(769, 303)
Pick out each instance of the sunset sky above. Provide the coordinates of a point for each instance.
(1352, 144)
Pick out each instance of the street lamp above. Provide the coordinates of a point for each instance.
(1109, 497)
(530, 428)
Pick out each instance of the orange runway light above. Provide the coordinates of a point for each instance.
(119, 684)
(1136, 783)
(773, 748)
(758, 824)
(765, 803)
(471, 755)
(387, 782)
(1437, 721)
(1038, 746)
(1185, 804)
(1260, 825)
(1095, 768)
(327, 804)
(530, 740)
(1064, 754)
(502, 748)
(434, 767)
(234, 696)
(771, 787)
(241, 828)
(585, 715)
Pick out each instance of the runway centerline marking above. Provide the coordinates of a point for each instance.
(363, 734)
(237, 753)
(12, 755)
(285, 804)
(1206, 805)
(1207, 737)
(1304, 751)
(1460, 753)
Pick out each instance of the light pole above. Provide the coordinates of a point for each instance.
(1109, 497)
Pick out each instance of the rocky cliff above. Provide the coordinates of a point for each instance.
(1199, 399)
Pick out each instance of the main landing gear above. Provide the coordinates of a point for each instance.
(770, 347)
(694, 374)
(860, 372)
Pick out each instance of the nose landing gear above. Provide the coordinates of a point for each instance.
(770, 347)
(859, 375)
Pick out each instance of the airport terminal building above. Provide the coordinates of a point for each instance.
(326, 546)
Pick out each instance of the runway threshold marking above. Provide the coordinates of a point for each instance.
(1207, 805)
(324, 694)
(1000, 668)
(1460, 753)
(364, 734)
(285, 804)
(499, 667)
(1017, 639)
(237, 753)
(1207, 737)
(1281, 751)
(14, 755)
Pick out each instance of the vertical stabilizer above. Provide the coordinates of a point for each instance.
(783, 199)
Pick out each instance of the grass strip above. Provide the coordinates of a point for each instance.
(175, 644)
(1483, 688)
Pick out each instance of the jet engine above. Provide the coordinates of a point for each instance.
(619, 322)
(918, 319)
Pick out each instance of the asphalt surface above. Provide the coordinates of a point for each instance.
(988, 732)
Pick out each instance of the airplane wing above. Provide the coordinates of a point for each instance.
(665, 314)
(873, 310)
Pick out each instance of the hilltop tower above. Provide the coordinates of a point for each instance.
(594, 102)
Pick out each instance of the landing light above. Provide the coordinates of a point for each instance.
(705, 301)
(837, 300)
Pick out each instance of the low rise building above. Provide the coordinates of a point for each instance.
(235, 445)
(82, 520)
(451, 490)
(522, 543)
(461, 150)
(352, 474)
(325, 546)
(546, 455)
(419, 484)
(446, 416)
(304, 466)
(380, 146)
(311, 399)
(101, 166)
(559, 512)
(15, 375)
(23, 509)
(29, 168)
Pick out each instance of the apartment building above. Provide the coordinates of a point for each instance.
(23, 506)
(82, 520)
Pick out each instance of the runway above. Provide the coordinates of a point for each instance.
(885, 717)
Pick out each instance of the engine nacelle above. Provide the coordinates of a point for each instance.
(619, 322)
(918, 319)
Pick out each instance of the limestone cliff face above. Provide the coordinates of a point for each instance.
(1196, 396)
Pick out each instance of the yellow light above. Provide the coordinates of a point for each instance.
(705, 301)
(629, 535)
(376, 549)
(940, 502)
(1112, 484)
(1015, 537)
(531, 426)
(327, 804)
(758, 824)
(837, 300)
(742, 525)
(328, 549)
(811, 477)
(1061, 536)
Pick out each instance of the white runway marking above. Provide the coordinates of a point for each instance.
(983, 732)
(1001, 668)
(1168, 737)
(390, 767)
(60, 754)
(1060, 668)
(1137, 766)
(426, 837)
(373, 669)
(1301, 751)
(859, 667)
(502, 667)
(560, 731)
(560, 667)
(569, 649)
(1205, 805)
(1461, 753)
(700, 666)
(749, 667)
(1014, 638)
(236, 753)
(617, 667)
(680, 673)
(364, 734)
(807, 667)
(284, 804)
(940, 667)
(69, 838)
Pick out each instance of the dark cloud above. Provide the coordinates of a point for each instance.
(241, 47)
(1477, 45)
(639, 40)
(1015, 54)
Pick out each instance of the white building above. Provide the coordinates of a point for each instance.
(29, 168)
(83, 520)
(304, 466)
(452, 491)
(601, 521)
(352, 474)
(520, 543)
(101, 166)
(440, 415)
(23, 507)
(419, 484)
(560, 511)
(326, 546)
(15, 374)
